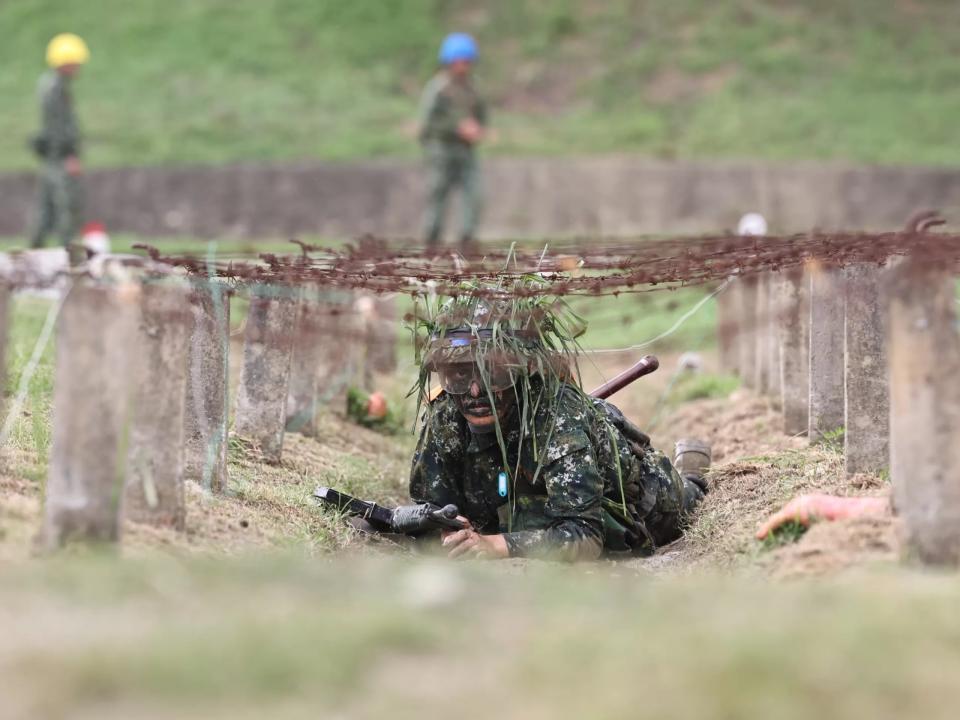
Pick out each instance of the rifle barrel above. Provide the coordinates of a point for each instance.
(644, 366)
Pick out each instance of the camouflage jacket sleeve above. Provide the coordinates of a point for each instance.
(438, 121)
(431, 479)
(59, 131)
(573, 510)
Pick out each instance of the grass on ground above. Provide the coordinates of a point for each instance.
(294, 639)
(213, 81)
(636, 318)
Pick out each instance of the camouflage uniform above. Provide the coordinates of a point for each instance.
(451, 161)
(577, 504)
(60, 202)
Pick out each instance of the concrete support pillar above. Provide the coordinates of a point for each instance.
(344, 357)
(382, 335)
(924, 352)
(309, 347)
(154, 486)
(774, 296)
(267, 350)
(793, 320)
(5, 300)
(206, 406)
(91, 405)
(867, 392)
(747, 335)
(762, 339)
(826, 351)
(729, 327)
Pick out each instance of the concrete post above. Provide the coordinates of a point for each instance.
(91, 403)
(206, 405)
(924, 352)
(382, 335)
(826, 352)
(729, 326)
(747, 335)
(762, 339)
(352, 323)
(4, 329)
(267, 349)
(774, 380)
(794, 330)
(154, 487)
(309, 346)
(343, 361)
(867, 393)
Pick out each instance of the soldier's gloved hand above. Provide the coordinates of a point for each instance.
(807, 509)
(469, 543)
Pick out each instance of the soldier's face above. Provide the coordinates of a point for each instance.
(460, 68)
(68, 70)
(475, 406)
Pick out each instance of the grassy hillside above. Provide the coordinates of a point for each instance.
(211, 81)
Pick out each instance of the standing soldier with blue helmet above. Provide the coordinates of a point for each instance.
(453, 120)
(58, 143)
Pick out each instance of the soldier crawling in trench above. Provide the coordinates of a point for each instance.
(536, 467)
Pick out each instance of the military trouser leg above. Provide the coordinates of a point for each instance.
(677, 498)
(45, 213)
(70, 218)
(472, 196)
(440, 180)
(59, 207)
(69, 202)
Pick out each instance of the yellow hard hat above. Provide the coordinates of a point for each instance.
(67, 49)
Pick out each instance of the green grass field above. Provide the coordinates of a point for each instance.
(214, 81)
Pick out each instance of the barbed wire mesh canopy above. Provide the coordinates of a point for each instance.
(579, 267)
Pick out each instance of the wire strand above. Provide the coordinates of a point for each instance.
(31, 367)
(676, 326)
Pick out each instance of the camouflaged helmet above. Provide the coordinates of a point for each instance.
(480, 339)
(496, 341)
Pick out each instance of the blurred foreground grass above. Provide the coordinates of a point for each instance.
(95, 637)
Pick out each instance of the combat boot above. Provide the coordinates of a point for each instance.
(692, 460)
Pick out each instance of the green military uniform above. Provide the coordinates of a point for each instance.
(451, 161)
(560, 492)
(60, 202)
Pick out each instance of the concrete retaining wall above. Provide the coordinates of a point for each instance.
(525, 197)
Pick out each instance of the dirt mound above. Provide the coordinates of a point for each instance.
(738, 427)
(757, 471)
(830, 548)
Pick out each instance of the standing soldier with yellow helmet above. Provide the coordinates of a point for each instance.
(58, 143)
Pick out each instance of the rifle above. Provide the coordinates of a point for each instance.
(644, 366)
(416, 519)
(404, 520)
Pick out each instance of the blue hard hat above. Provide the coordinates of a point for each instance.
(458, 46)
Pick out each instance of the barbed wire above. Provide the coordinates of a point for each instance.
(599, 267)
